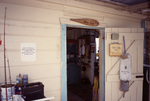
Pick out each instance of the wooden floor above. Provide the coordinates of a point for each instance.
(80, 92)
(73, 97)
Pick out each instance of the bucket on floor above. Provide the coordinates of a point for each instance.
(10, 92)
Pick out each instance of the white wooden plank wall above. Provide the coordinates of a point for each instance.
(33, 25)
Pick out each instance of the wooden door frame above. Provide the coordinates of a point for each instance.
(64, 61)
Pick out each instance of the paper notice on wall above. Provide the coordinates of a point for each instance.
(28, 52)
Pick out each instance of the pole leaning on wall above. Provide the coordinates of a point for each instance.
(5, 54)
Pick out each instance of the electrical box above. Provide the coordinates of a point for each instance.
(114, 36)
(115, 49)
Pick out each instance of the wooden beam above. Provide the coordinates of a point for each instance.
(138, 6)
(102, 3)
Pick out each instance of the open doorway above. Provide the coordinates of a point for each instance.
(82, 62)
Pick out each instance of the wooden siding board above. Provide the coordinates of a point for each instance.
(13, 43)
(140, 58)
(56, 94)
(115, 85)
(36, 69)
(68, 11)
(139, 91)
(134, 63)
(2, 78)
(50, 84)
(115, 30)
(134, 95)
(108, 91)
(45, 57)
(133, 51)
(134, 30)
(32, 14)
(137, 49)
(121, 30)
(108, 30)
(35, 3)
(114, 60)
(108, 62)
(109, 10)
(31, 29)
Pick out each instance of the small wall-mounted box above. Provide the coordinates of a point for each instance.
(115, 49)
(114, 36)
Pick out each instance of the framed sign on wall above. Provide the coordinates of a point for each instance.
(115, 49)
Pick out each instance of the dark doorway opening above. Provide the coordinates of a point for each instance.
(82, 59)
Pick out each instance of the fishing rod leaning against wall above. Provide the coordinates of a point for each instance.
(7, 88)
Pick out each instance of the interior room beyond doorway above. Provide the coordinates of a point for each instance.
(82, 62)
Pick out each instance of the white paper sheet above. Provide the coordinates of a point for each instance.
(28, 52)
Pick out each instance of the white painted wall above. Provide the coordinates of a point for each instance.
(39, 22)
